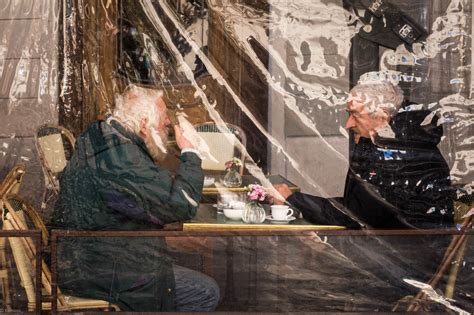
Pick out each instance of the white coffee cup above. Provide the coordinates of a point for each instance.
(281, 212)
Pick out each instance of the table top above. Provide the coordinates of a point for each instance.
(246, 180)
(209, 218)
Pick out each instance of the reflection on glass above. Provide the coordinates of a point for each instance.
(283, 72)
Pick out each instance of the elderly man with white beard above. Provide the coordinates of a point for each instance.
(114, 181)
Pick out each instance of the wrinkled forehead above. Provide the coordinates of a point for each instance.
(356, 101)
(363, 96)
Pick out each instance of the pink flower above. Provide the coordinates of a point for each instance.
(256, 193)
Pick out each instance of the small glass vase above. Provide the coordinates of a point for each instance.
(232, 178)
(253, 213)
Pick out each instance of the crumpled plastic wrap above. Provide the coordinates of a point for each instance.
(282, 71)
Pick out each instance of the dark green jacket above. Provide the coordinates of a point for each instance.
(112, 183)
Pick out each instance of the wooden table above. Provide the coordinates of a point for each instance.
(210, 219)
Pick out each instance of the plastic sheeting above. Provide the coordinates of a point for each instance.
(301, 272)
(299, 60)
(282, 72)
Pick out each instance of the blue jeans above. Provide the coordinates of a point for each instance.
(195, 292)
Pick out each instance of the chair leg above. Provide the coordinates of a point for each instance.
(47, 195)
(457, 242)
(449, 292)
(4, 273)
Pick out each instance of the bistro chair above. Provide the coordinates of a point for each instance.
(4, 275)
(14, 215)
(451, 261)
(55, 145)
(225, 142)
(10, 185)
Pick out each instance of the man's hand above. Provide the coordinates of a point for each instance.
(283, 192)
(181, 140)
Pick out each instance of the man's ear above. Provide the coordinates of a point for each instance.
(384, 115)
(143, 127)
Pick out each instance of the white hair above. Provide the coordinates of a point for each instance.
(134, 105)
(384, 95)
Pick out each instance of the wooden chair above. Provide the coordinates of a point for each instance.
(451, 261)
(10, 185)
(55, 145)
(225, 142)
(14, 216)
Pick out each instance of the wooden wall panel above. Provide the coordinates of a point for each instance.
(90, 62)
(246, 82)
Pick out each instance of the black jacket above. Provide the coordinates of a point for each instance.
(402, 182)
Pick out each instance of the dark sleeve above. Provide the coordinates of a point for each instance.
(320, 210)
(369, 206)
(186, 189)
(137, 188)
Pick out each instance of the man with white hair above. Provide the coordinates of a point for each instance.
(397, 176)
(371, 107)
(397, 179)
(114, 181)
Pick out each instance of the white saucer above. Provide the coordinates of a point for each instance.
(269, 218)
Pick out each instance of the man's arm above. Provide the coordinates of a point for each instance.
(315, 209)
(187, 186)
(320, 210)
(137, 188)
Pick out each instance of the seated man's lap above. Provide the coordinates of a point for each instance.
(195, 291)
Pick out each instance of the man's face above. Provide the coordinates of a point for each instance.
(361, 121)
(163, 123)
(156, 137)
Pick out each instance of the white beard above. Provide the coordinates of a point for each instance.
(156, 145)
(159, 139)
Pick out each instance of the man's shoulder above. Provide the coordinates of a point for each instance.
(99, 128)
(101, 146)
(92, 126)
(101, 135)
(92, 131)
